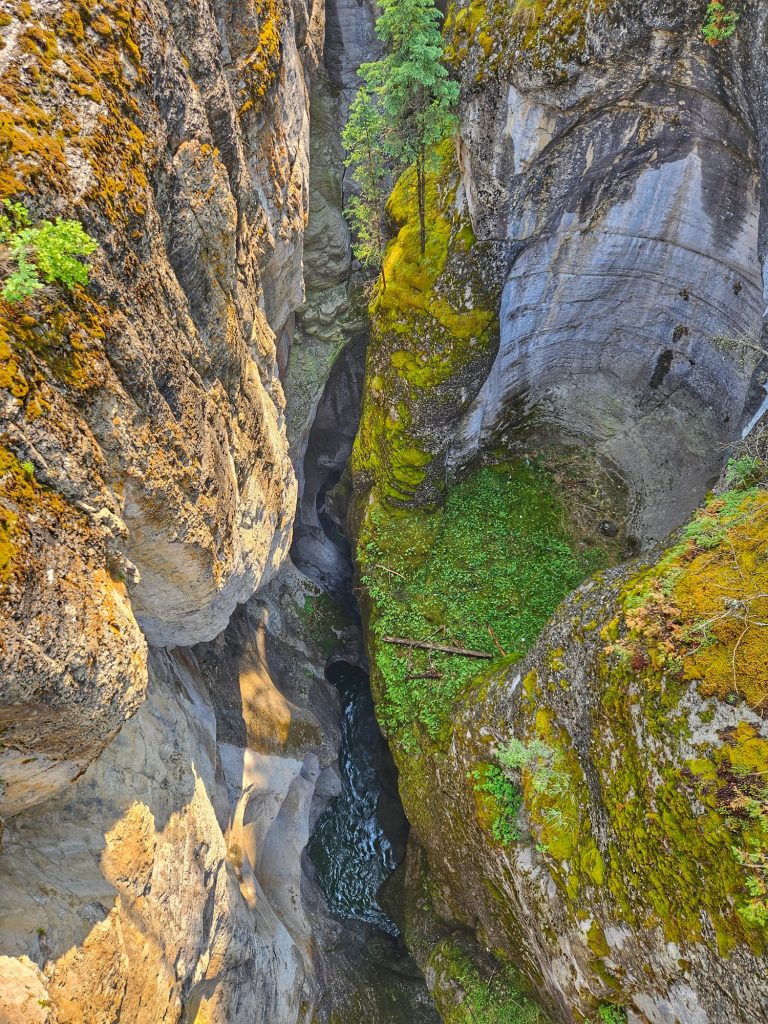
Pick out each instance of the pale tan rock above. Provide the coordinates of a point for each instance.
(23, 995)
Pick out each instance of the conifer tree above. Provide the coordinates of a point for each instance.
(364, 140)
(410, 90)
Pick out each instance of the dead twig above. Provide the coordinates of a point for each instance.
(495, 639)
(420, 645)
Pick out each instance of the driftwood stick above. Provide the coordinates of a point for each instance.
(495, 639)
(423, 646)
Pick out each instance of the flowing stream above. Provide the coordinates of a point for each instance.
(360, 838)
(350, 849)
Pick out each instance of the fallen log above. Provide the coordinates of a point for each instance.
(422, 645)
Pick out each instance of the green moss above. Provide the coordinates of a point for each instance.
(690, 837)
(412, 302)
(487, 569)
(596, 940)
(432, 315)
(325, 620)
(548, 35)
(468, 989)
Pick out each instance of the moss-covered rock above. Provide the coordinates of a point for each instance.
(634, 878)
(434, 331)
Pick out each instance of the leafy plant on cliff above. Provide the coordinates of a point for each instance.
(465, 994)
(544, 767)
(610, 1014)
(49, 252)
(744, 471)
(507, 801)
(719, 24)
(411, 86)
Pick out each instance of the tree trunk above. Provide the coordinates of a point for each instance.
(421, 189)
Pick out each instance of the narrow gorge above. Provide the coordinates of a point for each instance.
(383, 642)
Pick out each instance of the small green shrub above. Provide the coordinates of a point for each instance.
(719, 23)
(538, 758)
(47, 252)
(612, 1014)
(544, 766)
(509, 802)
(744, 472)
(466, 994)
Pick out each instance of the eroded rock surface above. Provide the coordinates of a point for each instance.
(629, 234)
(166, 883)
(629, 192)
(145, 469)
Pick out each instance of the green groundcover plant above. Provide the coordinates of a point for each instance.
(49, 252)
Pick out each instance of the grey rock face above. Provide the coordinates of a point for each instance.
(334, 310)
(630, 195)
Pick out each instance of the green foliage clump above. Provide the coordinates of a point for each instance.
(710, 525)
(408, 98)
(494, 562)
(50, 250)
(545, 769)
(508, 802)
(610, 1014)
(719, 23)
(744, 472)
(466, 995)
(742, 798)
(538, 758)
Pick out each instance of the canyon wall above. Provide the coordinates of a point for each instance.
(608, 202)
(146, 472)
(165, 752)
(587, 314)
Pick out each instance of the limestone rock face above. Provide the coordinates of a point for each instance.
(165, 884)
(628, 190)
(333, 312)
(144, 474)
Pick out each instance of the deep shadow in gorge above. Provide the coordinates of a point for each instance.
(360, 839)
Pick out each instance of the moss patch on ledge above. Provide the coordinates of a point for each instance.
(484, 572)
(691, 829)
(493, 37)
(417, 299)
(467, 990)
(433, 323)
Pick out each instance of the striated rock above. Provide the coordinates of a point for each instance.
(22, 992)
(612, 164)
(166, 883)
(635, 272)
(332, 314)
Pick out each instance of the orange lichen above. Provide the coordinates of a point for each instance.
(723, 596)
(260, 42)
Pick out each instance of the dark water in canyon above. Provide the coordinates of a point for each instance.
(350, 849)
